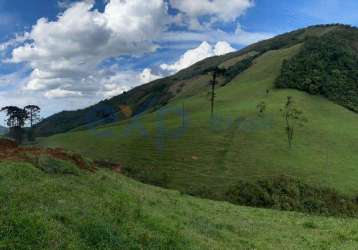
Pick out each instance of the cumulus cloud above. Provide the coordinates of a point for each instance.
(147, 76)
(239, 37)
(195, 55)
(222, 48)
(117, 81)
(217, 10)
(64, 54)
(68, 59)
(58, 93)
(248, 38)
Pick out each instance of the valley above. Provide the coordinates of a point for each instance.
(273, 167)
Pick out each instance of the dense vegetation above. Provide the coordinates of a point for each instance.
(327, 66)
(287, 193)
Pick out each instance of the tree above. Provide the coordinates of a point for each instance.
(16, 119)
(292, 117)
(261, 108)
(33, 112)
(216, 72)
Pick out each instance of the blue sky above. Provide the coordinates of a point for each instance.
(63, 54)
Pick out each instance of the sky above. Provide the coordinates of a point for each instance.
(69, 54)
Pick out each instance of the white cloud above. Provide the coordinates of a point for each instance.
(190, 57)
(248, 38)
(239, 37)
(147, 76)
(115, 81)
(14, 42)
(68, 57)
(64, 54)
(193, 56)
(218, 10)
(222, 48)
(61, 93)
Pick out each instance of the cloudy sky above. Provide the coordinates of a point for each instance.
(68, 54)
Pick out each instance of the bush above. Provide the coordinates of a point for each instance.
(291, 194)
(51, 165)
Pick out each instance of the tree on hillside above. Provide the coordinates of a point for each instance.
(16, 119)
(216, 72)
(261, 108)
(293, 118)
(33, 112)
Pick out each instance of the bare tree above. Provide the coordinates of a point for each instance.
(216, 72)
(292, 117)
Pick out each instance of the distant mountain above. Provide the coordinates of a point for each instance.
(193, 80)
(3, 130)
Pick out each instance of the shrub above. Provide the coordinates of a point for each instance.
(286, 193)
(51, 165)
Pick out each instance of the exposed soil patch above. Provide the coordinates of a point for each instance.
(10, 151)
(7, 144)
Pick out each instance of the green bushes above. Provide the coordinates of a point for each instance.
(51, 165)
(327, 66)
(285, 193)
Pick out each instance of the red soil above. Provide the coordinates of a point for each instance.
(10, 151)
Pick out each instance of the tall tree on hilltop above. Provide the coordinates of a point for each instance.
(16, 119)
(33, 112)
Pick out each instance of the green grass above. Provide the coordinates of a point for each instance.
(104, 210)
(238, 145)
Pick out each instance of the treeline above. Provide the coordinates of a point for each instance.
(327, 66)
(17, 118)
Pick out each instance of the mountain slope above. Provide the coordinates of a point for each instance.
(188, 82)
(3, 130)
(327, 66)
(104, 210)
(207, 157)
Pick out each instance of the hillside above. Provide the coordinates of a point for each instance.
(208, 157)
(326, 66)
(188, 82)
(102, 209)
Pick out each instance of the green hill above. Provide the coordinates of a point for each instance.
(186, 83)
(327, 66)
(206, 157)
(105, 210)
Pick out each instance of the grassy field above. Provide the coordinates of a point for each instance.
(105, 210)
(201, 153)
